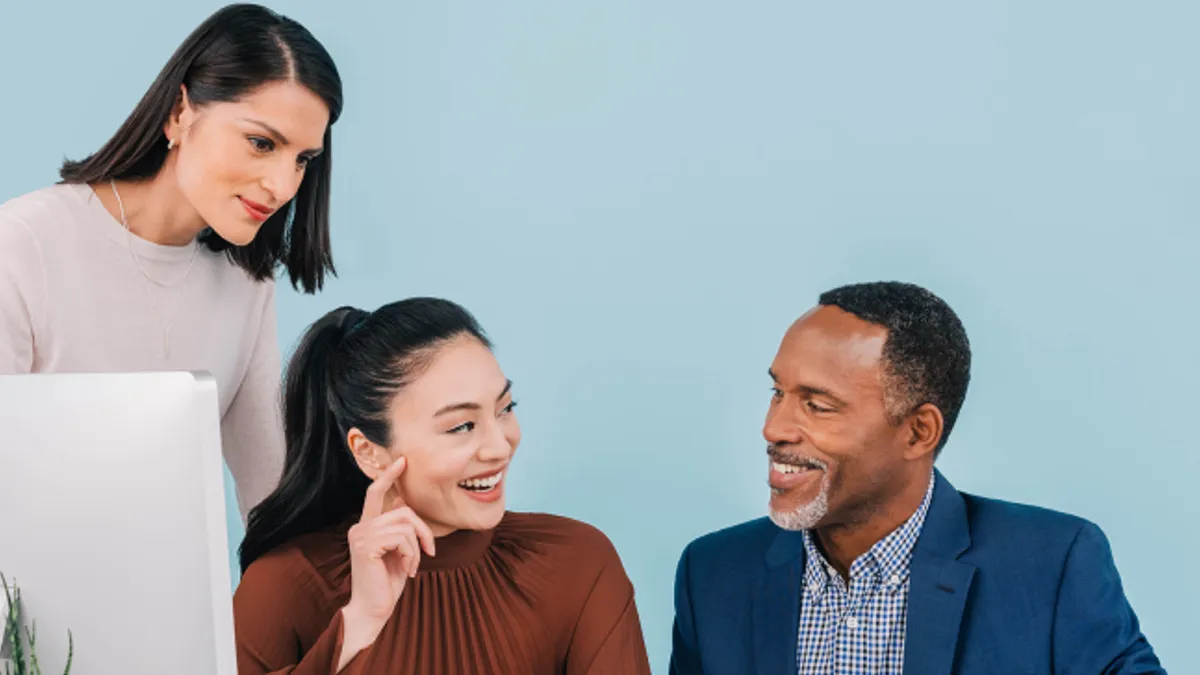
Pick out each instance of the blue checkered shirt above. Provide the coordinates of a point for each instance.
(858, 630)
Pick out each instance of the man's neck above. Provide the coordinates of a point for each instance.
(843, 544)
(155, 210)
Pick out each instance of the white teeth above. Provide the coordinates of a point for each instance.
(787, 468)
(482, 483)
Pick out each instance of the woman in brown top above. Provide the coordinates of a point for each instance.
(387, 549)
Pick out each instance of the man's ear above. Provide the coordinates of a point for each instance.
(924, 427)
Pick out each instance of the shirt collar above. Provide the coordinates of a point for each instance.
(891, 556)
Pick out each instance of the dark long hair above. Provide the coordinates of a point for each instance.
(346, 371)
(236, 50)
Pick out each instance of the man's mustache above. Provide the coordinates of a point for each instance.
(805, 461)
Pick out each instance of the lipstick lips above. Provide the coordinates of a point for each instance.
(485, 487)
(259, 212)
(487, 474)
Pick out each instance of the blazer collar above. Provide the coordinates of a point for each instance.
(939, 585)
(937, 592)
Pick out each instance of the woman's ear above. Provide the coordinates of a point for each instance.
(181, 117)
(372, 459)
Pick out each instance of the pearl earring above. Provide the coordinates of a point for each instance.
(170, 144)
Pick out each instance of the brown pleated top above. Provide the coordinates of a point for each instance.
(540, 594)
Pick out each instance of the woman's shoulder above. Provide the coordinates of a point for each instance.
(259, 296)
(28, 218)
(559, 536)
(564, 565)
(32, 227)
(43, 206)
(296, 588)
(313, 567)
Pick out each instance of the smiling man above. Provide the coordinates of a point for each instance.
(871, 562)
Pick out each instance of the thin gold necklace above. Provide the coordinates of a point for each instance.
(166, 325)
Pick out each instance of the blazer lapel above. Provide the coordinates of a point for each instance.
(939, 585)
(776, 619)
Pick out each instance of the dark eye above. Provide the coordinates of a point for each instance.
(507, 410)
(775, 393)
(303, 161)
(463, 428)
(262, 144)
(818, 409)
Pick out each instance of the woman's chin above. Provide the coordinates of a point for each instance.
(481, 516)
(237, 235)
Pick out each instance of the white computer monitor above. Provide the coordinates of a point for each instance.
(112, 520)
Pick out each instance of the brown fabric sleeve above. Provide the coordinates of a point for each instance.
(622, 650)
(282, 621)
(608, 637)
(268, 656)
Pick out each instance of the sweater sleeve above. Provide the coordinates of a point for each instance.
(608, 635)
(284, 622)
(252, 428)
(22, 295)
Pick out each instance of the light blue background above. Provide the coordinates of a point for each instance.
(636, 199)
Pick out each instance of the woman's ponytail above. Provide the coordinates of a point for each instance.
(321, 482)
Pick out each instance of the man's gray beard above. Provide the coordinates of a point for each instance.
(805, 516)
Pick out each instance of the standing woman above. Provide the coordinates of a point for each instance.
(159, 251)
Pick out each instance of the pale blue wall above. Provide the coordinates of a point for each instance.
(636, 198)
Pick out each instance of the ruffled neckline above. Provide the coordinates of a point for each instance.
(329, 553)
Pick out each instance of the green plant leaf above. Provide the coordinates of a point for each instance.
(12, 631)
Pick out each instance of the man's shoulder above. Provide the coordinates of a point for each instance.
(991, 517)
(1018, 535)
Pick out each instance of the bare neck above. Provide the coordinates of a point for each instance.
(155, 209)
(843, 544)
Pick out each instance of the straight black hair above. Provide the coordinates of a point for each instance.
(349, 366)
(236, 50)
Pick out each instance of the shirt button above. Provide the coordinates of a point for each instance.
(852, 623)
(894, 580)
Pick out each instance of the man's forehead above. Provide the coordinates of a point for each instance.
(832, 341)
